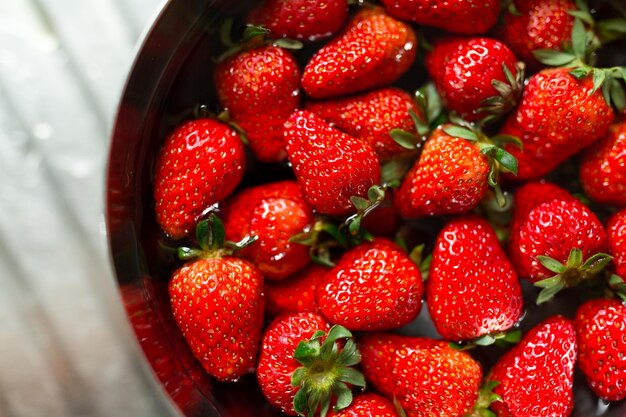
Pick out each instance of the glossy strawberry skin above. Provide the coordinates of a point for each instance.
(603, 168)
(367, 405)
(330, 166)
(450, 177)
(200, 163)
(600, 328)
(274, 213)
(537, 374)
(295, 294)
(260, 88)
(374, 286)
(616, 232)
(378, 350)
(218, 304)
(472, 289)
(463, 70)
(533, 194)
(307, 20)
(374, 50)
(556, 118)
(468, 17)
(370, 117)
(276, 362)
(553, 229)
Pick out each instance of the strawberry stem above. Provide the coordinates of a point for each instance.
(486, 397)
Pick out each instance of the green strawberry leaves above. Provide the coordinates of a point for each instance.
(375, 197)
(486, 397)
(502, 339)
(509, 93)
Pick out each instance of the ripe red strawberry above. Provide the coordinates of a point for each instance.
(600, 328)
(330, 166)
(557, 117)
(374, 50)
(461, 16)
(475, 77)
(533, 194)
(274, 213)
(260, 88)
(295, 294)
(561, 237)
(301, 364)
(472, 290)
(374, 286)
(378, 351)
(200, 163)
(603, 168)
(616, 232)
(370, 117)
(217, 301)
(536, 376)
(367, 405)
(537, 24)
(307, 20)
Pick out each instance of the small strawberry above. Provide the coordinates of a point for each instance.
(217, 301)
(536, 376)
(616, 232)
(533, 194)
(260, 87)
(600, 328)
(472, 290)
(200, 163)
(374, 286)
(603, 168)
(374, 50)
(295, 294)
(367, 405)
(307, 20)
(274, 212)
(476, 77)
(330, 166)
(370, 117)
(562, 237)
(461, 16)
(302, 368)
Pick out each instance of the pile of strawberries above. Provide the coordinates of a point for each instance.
(513, 153)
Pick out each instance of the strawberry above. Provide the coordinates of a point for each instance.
(556, 237)
(557, 117)
(330, 166)
(295, 294)
(378, 350)
(307, 20)
(200, 163)
(260, 88)
(600, 328)
(603, 168)
(367, 405)
(274, 212)
(533, 194)
(472, 290)
(370, 117)
(475, 77)
(536, 376)
(374, 50)
(301, 364)
(217, 301)
(461, 16)
(374, 286)
(616, 232)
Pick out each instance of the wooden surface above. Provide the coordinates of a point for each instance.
(65, 349)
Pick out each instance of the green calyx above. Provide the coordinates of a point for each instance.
(502, 339)
(324, 236)
(509, 93)
(423, 262)
(486, 397)
(617, 286)
(211, 238)
(326, 373)
(573, 272)
(375, 196)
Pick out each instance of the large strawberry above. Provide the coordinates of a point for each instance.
(476, 77)
(603, 168)
(260, 88)
(616, 232)
(330, 165)
(558, 116)
(217, 301)
(370, 117)
(374, 286)
(303, 369)
(558, 245)
(535, 377)
(373, 51)
(533, 194)
(472, 290)
(296, 293)
(461, 16)
(307, 20)
(274, 212)
(367, 405)
(600, 328)
(200, 163)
